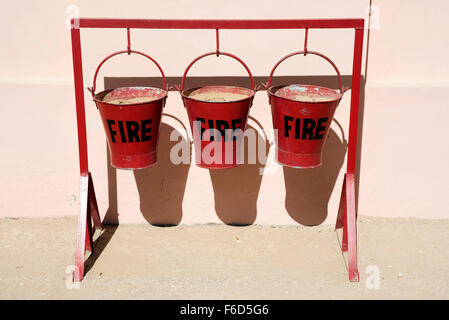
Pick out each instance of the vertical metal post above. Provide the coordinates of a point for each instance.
(351, 228)
(82, 237)
(79, 98)
(355, 99)
(350, 223)
(128, 37)
(217, 37)
(87, 200)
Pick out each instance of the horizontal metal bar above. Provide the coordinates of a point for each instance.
(217, 24)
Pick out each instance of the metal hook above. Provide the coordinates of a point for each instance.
(128, 34)
(305, 40)
(218, 42)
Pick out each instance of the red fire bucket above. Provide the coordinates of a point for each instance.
(217, 116)
(131, 117)
(302, 114)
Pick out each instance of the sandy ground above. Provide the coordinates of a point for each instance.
(225, 262)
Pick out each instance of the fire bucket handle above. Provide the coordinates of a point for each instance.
(92, 89)
(215, 53)
(308, 52)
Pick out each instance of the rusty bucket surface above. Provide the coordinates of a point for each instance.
(217, 117)
(302, 115)
(131, 118)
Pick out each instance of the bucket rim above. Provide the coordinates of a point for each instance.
(184, 96)
(130, 104)
(270, 89)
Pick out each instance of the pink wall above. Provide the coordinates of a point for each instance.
(405, 149)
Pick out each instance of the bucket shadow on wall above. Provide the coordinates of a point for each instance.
(236, 190)
(111, 216)
(161, 188)
(308, 190)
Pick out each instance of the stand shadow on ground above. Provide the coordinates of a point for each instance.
(99, 245)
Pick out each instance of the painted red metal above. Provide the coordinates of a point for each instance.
(79, 100)
(212, 53)
(213, 152)
(346, 219)
(219, 24)
(217, 36)
(347, 213)
(128, 37)
(131, 129)
(270, 78)
(302, 125)
(355, 100)
(306, 38)
(92, 89)
(88, 213)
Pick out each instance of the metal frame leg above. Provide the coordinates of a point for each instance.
(88, 214)
(346, 219)
(351, 228)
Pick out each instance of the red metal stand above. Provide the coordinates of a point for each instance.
(88, 214)
(346, 218)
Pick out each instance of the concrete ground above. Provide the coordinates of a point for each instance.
(398, 259)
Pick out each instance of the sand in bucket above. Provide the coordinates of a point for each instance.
(309, 98)
(219, 94)
(123, 96)
(306, 93)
